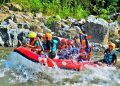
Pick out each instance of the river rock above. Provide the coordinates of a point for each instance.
(99, 21)
(14, 7)
(23, 25)
(1, 41)
(36, 28)
(97, 28)
(4, 36)
(39, 16)
(45, 29)
(20, 18)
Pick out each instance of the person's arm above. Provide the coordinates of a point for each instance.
(115, 60)
(30, 46)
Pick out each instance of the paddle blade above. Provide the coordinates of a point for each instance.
(88, 37)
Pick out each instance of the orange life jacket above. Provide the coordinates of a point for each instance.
(84, 55)
(83, 43)
(33, 42)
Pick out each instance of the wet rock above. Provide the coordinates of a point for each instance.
(44, 28)
(4, 36)
(1, 41)
(97, 31)
(99, 21)
(19, 18)
(9, 24)
(55, 26)
(64, 27)
(36, 28)
(97, 28)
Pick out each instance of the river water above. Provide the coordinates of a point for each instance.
(15, 70)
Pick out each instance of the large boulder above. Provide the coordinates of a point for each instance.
(97, 28)
(20, 18)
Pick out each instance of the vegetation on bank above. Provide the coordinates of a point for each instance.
(75, 8)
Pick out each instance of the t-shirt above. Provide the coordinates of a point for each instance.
(37, 43)
(114, 56)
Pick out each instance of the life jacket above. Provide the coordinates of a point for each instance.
(83, 43)
(109, 57)
(62, 47)
(73, 51)
(54, 46)
(85, 55)
(38, 48)
(63, 54)
(48, 46)
(33, 42)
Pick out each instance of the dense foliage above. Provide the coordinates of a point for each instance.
(74, 8)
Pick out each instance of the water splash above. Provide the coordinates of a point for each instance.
(18, 69)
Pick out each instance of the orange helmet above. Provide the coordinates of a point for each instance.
(48, 36)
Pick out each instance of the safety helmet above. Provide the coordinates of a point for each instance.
(63, 40)
(48, 36)
(70, 42)
(112, 45)
(32, 35)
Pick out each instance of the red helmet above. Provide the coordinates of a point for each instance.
(63, 40)
(70, 42)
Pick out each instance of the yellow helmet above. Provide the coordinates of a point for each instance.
(112, 45)
(48, 36)
(32, 35)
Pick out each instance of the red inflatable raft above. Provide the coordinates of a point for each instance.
(61, 63)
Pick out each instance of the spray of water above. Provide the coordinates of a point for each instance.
(21, 70)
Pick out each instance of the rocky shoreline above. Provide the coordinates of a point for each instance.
(15, 22)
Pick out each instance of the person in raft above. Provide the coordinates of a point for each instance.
(34, 42)
(110, 57)
(85, 50)
(50, 45)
